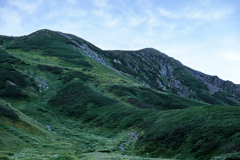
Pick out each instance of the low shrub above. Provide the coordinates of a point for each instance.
(139, 104)
(1, 41)
(78, 62)
(6, 112)
(5, 57)
(77, 74)
(54, 70)
(224, 98)
(209, 99)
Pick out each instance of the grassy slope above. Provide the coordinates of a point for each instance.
(200, 132)
(86, 101)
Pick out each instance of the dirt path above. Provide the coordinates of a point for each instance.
(134, 136)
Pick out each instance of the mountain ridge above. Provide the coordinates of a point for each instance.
(214, 85)
(218, 82)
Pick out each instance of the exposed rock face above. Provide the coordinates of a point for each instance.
(83, 47)
(11, 83)
(153, 68)
(212, 89)
(215, 84)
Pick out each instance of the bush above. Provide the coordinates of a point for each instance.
(121, 93)
(64, 157)
(209, 99)
(12, 91)
(77, 74)
(1, 41)
(189, 81)
(6, 112)
(5, 57)
(10, 74)
(122, 68)
(78, 62)
(224, 98)
(147, 98)
(54, 70)
(232, 147)
(139, 104)
(78, 92)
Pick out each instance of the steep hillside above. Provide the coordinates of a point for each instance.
(154, 69)
(76, 100)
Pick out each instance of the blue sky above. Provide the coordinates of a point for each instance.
(202, 34)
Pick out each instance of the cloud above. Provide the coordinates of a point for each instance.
(26, 5)
(104, 18)
(10, 21)
(207, 14)
(168, 13)
(231, 56)
(135, 20)
(198, 13)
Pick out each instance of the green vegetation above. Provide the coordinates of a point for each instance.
(147, 98)
(78, 62)
(190, 81)
(199, 131)
(6, 112)
(225, 98)
(5, 57)
(57, 103)
(51, 44)
(54, 70)
(77, 74)
(11, 80)
(1, 41)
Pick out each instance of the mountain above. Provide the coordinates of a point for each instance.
(62, 97)
(156, 70)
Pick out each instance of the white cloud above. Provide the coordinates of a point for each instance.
(105, 18)
(153, 19)
(10, 22)
(198, 13)
(207, 14)
(135, 20)
(231, 56)
(168, 13)
(26, 5)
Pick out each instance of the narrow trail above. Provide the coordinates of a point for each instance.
(134, 136)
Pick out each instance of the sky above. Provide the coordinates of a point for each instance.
(202, 34)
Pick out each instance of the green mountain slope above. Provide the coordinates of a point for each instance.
(76, 100)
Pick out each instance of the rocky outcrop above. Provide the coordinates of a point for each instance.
(84, 48)
(215, 84)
